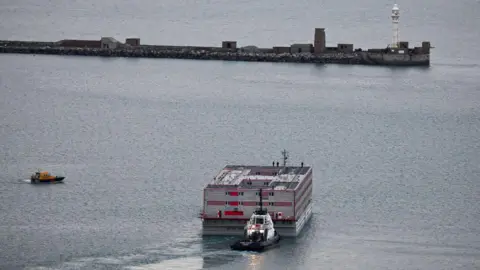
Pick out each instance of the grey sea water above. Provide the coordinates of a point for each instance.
(394, 150)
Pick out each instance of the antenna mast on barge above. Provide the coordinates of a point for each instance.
(285, 157)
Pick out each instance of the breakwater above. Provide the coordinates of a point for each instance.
(52, 48)
(378, 57)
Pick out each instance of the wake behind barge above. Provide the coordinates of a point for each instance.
(233, 196)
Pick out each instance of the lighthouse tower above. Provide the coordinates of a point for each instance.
(395, 19)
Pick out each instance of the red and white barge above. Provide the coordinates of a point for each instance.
(232, 197)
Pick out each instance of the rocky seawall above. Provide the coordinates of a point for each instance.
(30, 47)
(187, 54)
(146, 51)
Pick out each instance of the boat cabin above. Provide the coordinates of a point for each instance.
(42, 175)
(259, 220)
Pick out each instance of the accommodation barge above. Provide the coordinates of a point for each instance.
(233, 195)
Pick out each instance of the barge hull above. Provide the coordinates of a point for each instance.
(226, 228)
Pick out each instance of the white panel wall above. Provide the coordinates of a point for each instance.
(215, 195)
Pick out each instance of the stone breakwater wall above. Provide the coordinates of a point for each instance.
(19, 43)
(186, 53)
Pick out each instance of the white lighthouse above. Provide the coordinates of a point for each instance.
(395, 19)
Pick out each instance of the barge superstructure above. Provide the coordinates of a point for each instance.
(233, 195)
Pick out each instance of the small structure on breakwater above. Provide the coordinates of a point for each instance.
(103, 43)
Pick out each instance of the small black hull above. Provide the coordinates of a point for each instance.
(58, 179)
(247, 245)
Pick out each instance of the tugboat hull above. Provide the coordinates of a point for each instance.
(247, 245)
(58, 179)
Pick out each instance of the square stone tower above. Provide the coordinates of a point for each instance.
(319, 41)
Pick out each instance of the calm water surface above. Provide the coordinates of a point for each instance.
(394, 151)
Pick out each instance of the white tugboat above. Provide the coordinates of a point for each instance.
(259, 232)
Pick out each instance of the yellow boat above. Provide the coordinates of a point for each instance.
(45, 177)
